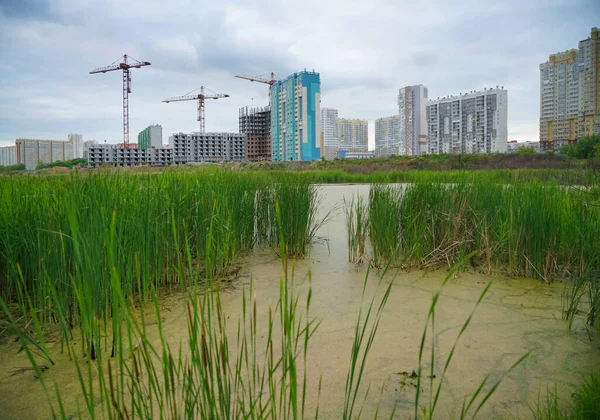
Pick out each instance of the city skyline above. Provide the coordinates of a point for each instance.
(48, 48)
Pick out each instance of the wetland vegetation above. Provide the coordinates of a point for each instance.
(86, 259)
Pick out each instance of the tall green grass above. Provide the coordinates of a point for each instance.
(357, 226)
(171, 230)
(584, 404)
(530, 229)
(205, 375)
(391, 175)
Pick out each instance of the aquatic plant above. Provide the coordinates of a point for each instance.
(357, 228)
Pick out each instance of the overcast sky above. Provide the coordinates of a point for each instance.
(365, 51)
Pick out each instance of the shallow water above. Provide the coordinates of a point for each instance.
(516, 316)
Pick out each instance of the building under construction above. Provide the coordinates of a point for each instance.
(255, 125)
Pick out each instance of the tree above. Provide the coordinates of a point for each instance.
(587, 147)
(526, 150)
(567, 150)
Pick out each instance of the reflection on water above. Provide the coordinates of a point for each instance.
(517, 315)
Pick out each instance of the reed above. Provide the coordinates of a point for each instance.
(172, 230)
(584, 404)
(530, 229)
(357, 227)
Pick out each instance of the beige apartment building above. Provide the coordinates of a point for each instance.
(570, 94)
(31, 152)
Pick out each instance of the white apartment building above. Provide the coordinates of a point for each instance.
(8, 155)
(77, 140)
(412, 101)
(474, 122)
(387, 136)
(353, 135)
(329, 127)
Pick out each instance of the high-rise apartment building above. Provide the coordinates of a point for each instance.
(77, 140)
(255, 125)
(412, 101)
(31, 152)
(570, 94)
(353, 135)
(589, 85)
(151, 137)
(329, 126)
(296, 117)
(8, 155)
(387, 136)
(474, 122)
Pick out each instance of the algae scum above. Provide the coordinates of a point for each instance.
(274, 345)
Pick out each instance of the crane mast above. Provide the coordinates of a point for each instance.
(123, 64)
(200, 97)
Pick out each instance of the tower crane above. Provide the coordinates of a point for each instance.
(200, 97)
(123, 64)
(260, 79)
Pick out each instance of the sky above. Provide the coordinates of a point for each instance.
(365, 50)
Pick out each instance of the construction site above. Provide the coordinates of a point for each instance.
(255, 125)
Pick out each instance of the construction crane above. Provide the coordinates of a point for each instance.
(260, 79)
(200, 97)
(123, 64)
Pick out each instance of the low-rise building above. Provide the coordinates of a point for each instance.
(514, 145)
(119, 156)
(345, 154)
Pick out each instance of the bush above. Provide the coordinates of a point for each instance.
(586, 148)
(67, 163)
(526, 150)
(19, 167)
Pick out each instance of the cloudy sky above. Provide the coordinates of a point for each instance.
(364, 49)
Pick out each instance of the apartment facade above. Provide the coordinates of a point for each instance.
(31, 152)
(255, 125)
(474, 122)
(589, 85)
(387, 136)
(296, 118)
(412, 102)
(151, 137)
(570, 94)
(122, 157)
(353, 135)
(207, 147)
(329, 127)
(8, 155)
(77, 141)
